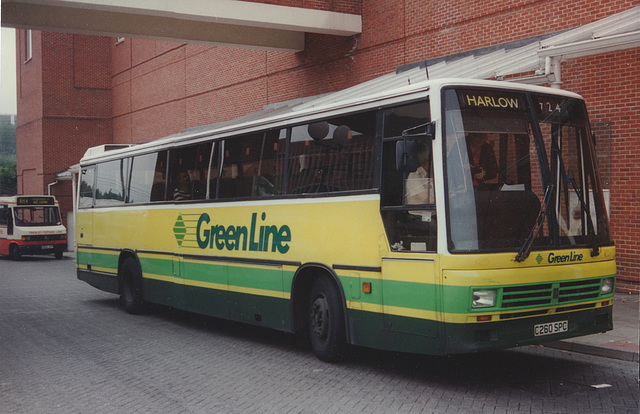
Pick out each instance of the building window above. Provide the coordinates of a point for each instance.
(119, 40)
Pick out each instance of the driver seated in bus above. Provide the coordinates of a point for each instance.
(419, 191)
(482, 161)
(419, 184)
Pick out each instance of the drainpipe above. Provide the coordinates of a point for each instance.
(73, 193)
(552, 65)
(557, 71)
(49, 187)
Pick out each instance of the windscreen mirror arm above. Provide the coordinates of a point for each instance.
(429, 131)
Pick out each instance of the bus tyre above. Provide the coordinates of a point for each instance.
(15, 253)
(326, 321)
(58, 254)
(131, 287)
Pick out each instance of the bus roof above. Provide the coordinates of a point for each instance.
(386, 90)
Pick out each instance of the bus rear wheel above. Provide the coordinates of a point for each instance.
(131, 287)
(326, 321)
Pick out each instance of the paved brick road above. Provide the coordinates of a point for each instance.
(66, 347)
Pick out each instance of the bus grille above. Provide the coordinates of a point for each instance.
(45, 237)
(550, 293)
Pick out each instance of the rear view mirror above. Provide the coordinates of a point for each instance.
(406, 155)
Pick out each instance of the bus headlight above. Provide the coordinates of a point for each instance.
(484, 298)
(607, 286)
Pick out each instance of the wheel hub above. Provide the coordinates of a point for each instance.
(320, 317)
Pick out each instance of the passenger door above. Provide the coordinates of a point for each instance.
(410, 294)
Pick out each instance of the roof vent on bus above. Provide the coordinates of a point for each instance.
(100, 149)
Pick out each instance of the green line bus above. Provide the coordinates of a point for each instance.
(423, 216)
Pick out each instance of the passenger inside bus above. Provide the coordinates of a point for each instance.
(183, 189)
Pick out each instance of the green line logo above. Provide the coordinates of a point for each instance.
(184, 230)
(199, 231)
(539, 259)
(256, 237)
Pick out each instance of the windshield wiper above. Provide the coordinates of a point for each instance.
(585, 211)
(566, 179)
(525, 250)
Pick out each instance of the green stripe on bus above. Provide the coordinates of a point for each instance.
(98, 259)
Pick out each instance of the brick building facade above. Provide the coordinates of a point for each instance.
(79, 91)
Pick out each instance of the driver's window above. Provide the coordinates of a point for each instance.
(408, 197)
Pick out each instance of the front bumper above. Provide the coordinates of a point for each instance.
(474, 337)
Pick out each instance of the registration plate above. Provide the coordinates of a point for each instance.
(550, 328)
(47, 246)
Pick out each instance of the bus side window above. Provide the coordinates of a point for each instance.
(10, 222)
(214, 170)
(4, 211)
(332, 155)
(252, 165)
(270, 177)
(148, 178)
(6, 219)
(158, 188)
(240, 166)
(188, 167)
(111, 177)
(86, 188)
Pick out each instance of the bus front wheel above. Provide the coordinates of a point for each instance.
(15, 253)
(326, 321)
(131, 286)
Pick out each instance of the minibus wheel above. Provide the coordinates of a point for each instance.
(326, 321)
(15, 252)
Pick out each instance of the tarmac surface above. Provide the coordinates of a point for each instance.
(66, 347)
(619, 343)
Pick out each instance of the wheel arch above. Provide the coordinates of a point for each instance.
(124, 255)
(301, 290)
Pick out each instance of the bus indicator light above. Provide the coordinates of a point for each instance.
(366, 287)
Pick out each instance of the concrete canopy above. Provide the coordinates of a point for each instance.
(218, 22)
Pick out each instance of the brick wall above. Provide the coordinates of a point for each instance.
(64, 106)
(610, 84)
(156, 88)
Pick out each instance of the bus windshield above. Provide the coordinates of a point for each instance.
(37, 216)
(520, 173)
